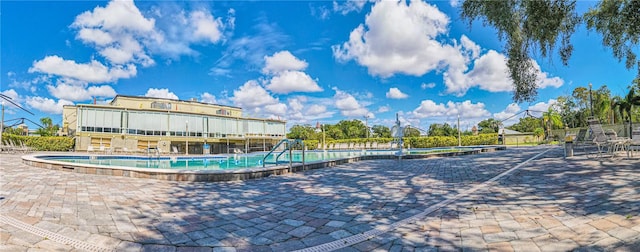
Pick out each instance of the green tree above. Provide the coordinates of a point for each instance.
(551, 119)
(381, 131)
(526, 124)
(602, 103)
(538, 132)
(489, 125)
(618, 23)
(352, 129)
(445, 129)
(333, 132)
(625, 106)
(303, 132)
(411, 132)
(47, 129)
(531, 26)
(14, 131)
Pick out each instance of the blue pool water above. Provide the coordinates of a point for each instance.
(228, 162)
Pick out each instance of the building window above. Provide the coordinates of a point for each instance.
(161, 105)
(223, 112)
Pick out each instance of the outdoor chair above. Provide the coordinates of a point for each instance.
(174, 150)
(25, 148)
(90, 148)
(581, 140)
(606, 142)
(19, 146)
(634, 143)
(8, 146)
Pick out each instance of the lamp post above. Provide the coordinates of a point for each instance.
(459, 139)
(2, 124)
(591, 99)
(320, 127)
(366, 125)
(186, 149)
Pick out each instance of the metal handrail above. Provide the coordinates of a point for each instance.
(290, 142)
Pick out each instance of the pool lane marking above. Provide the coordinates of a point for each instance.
(46, 234)
(358, 238)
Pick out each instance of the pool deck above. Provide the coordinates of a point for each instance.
(519, 199)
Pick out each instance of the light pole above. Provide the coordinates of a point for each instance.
(324, 141)
(366, 125)
(2, 124)
(591, 99)
(320, 127)
(186, 149)
(459, 140)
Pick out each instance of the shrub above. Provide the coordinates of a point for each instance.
(50, 143)
(418, 142)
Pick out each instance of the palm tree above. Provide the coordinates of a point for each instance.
(551, 119)
(625, 106)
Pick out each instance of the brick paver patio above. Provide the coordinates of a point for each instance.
(548, 204)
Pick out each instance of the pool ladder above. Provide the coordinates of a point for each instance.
(289, 145)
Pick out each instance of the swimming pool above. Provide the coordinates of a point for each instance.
(227, 167)
(230, 162)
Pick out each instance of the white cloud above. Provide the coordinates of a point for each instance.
(544, 80)
(490, 73)
(541, 107)
(383, 109)
(205, 26)
(508, 114)
(252, 95)
(283, 61)
(303, 109)
(80, 92)
(122, 34)
(466, 109)
(395, 93)
(161, 93)
(15, 98)
(287, 75)
(320, 12)
(208, 98)
(47, 105)
(278, 109)
(11, 94)
(315, 109)
(292, 81)
(93, 72)
(349, 106)
(470, 47)
(118, 32)
(118, 15)
(96, 36)
(252, 49)
(400, 38)
(345, 7)
(429, 108)
(427, 85)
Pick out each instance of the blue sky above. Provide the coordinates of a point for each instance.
(304, 62)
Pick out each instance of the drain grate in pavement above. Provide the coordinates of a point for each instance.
(51, 235)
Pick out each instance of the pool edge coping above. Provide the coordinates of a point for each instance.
(226, 175)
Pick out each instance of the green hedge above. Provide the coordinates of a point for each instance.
(444, 141)
(417, 142)
(52, 143)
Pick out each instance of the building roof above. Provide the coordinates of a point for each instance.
(167, 99)
(508, 132)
